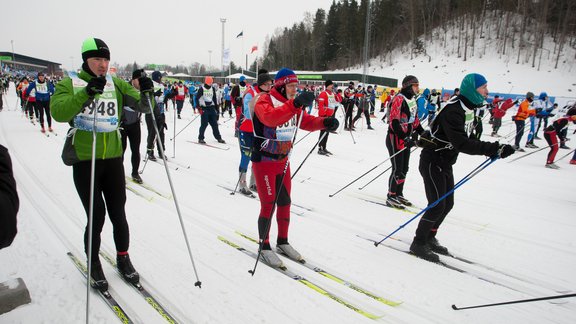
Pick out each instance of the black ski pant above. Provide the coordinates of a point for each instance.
(209, 116)
(109, 194)
(362, 109)
(160, 123)
(132, 132)
(179, 105)
(496, 124)
(400, 164)
(44, 107)
(438, 180)
(349, 109)
(519, 131)
(323, 141)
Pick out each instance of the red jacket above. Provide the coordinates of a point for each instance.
(181, 92)
(500, 107)
(327, 103)
(274, 120)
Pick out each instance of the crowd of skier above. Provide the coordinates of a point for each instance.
(267, 113)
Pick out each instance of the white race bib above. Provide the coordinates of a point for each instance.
(285, 132)
(107, 109)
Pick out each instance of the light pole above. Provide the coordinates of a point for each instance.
(13, 56)
(209, 58)
(72, 60)
(223, 21)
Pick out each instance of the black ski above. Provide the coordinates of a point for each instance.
(151, 300)
(449, 266)
(110, 301)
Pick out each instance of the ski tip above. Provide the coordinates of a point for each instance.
(198, 284)
(454, 307)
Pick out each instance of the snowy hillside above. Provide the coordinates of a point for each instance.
(516, 220)
(441, 63)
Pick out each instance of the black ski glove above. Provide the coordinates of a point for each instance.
(505, 151)
(304, 99)
(158, 93)
(331, 123)
(146, 84)
(96, 86)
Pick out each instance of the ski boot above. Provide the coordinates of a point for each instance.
(221, 141)
(290, 252)
(436, 247)
(136, 177)
(201, 141)
(423, 251)
(404, 201)
(271, 259)
(552, 166)
(98, 279)
(393, 202)
(126, 269)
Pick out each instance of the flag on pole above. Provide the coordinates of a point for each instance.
(254, 49)
(241, 34)
(226, 56)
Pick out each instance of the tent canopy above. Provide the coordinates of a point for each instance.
(238, 75)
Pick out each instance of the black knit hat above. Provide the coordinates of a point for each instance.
(328, 82)
(408, 81)
(263, 77)
(94, 47)
(138, 74)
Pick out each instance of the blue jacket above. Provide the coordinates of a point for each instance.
(41, 96)
(422, 104)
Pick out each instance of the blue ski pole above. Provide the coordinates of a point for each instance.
(460, 183)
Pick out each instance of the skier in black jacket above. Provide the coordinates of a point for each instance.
(449, 138)
(9, 202)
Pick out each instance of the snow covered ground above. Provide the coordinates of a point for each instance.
(515, 219)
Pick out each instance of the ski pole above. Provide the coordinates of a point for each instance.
(269, 223)
(349, 126)
(378, 176)
(174, 130)
(303, 137)
(172, 189)
(454, 307)
(237, 183)
(193, 119)
(91, 206)
(360, 177)
(538, 150)
(313, 147)
(469, 176)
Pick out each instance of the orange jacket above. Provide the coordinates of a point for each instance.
(524, 111)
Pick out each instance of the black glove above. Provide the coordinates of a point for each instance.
(505, 151)
(96, 86)
(331, 123)
(304, 99)
(146, 84)
(516, 102)
(158, 93)
(408, 142)
(238, 101)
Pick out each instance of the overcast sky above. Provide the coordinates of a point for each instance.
(146, 31)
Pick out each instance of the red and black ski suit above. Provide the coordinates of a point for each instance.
(402, 122)
(275, 121)
(554, 132)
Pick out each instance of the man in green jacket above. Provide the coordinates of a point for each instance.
(74, 101)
